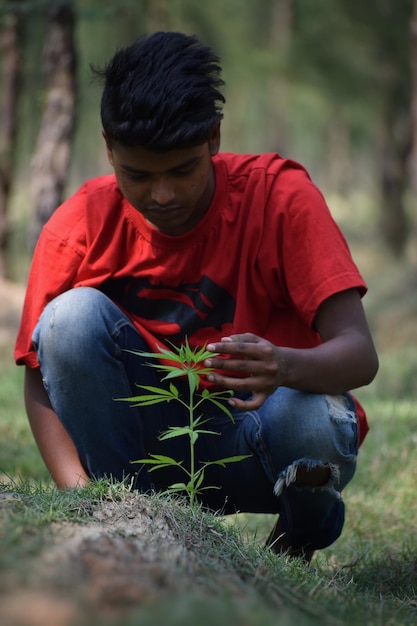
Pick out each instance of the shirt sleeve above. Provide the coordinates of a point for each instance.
(315, 259)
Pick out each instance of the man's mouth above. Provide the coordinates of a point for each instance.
(165, 212)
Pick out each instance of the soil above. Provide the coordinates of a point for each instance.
(127, 555)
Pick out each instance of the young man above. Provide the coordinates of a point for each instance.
(238, 252)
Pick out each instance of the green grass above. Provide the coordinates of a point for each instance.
(369, 576)
(372, 569)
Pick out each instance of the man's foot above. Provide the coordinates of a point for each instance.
(278, 543)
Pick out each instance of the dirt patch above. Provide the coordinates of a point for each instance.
(126, 556)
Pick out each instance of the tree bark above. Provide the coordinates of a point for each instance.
(396, 148)
(51, 160)
(11, 35)
(394, 177)
(280, 34)
(413, 158)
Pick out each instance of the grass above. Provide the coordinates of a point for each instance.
(369, 576)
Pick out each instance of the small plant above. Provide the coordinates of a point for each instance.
(183, 361)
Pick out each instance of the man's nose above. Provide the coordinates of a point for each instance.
(162, 192)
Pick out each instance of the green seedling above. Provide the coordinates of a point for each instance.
(179, 362)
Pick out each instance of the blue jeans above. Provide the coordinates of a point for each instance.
(82, 340)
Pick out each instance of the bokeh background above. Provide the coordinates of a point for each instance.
(330, 83)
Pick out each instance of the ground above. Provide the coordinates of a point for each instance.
(126, 555)
(140, 560)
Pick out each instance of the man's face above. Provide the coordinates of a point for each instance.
(172, 190)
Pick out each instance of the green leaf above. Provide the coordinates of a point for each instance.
(225, 394)
(178, 487)
(201, 419)
(162, 457)
(229, 459)
(160, 460)
(193, 436)
(181, 354)
(157, 395)
(155, 464)
(140, 353)
(180, 431)
(173, 372)
(174, 390)
(156, 390)
(199, 480)
(206, 432)
(202, 354)
(152, 355)
(175, 431)
(223, 407)
(161, 354)
(169, 355)
(146, 400)
(193, 381)
(204, 370)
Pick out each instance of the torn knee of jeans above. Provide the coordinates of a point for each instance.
(339, 410)
(289, 476)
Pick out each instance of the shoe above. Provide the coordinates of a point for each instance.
(278, 543)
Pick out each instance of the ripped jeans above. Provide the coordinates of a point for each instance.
(81, 341)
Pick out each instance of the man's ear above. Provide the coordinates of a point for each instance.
(214, 140)
(108, 148)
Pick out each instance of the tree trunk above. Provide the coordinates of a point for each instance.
(280, 33)
(11, 48)
(339, 165)
(394, 178)
(413, 159)
(51, 160)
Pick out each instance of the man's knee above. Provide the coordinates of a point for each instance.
(314, 431)
(69, 323)
(312, 476)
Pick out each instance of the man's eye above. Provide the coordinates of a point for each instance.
(184, 172)
(135, 177)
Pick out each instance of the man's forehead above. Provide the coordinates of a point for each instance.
(139, 159)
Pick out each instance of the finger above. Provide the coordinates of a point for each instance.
(251, 404)
(243, 337)
(229, 343)
(240, 350)
(247, 383)
(243, 366)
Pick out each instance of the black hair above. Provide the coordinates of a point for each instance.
(162, 92)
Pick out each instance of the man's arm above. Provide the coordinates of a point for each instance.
(54, 443)
(345, 360)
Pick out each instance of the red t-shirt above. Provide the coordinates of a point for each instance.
(264, 257)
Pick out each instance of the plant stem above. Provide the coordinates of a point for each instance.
(192, 443)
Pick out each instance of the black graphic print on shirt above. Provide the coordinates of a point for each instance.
(190, 305)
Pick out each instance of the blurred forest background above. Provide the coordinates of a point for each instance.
(331, 83)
